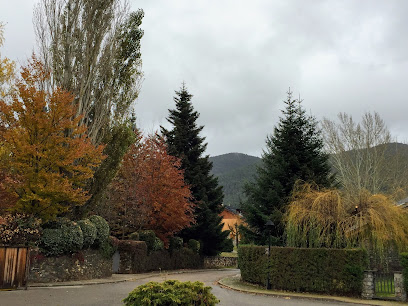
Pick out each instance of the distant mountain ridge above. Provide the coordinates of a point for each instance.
(233, 171)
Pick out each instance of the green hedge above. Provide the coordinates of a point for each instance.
(404, 265)
(136, 258)
(61, 237)
(89, 232)
(306, 270)
(102, 229)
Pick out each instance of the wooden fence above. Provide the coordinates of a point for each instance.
(14, 265)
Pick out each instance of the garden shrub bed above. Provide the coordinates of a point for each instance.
(331, 271)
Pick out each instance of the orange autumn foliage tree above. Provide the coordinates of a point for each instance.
(149, 191)
(51, 158)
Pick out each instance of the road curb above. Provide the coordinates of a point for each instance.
(131, 277)
(289, 295)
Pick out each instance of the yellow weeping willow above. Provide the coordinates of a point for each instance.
(327, 218)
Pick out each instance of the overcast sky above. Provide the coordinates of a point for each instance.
(238, 59)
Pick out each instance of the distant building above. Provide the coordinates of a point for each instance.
(232, 218)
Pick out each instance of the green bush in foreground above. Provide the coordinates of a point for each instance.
(171, 292)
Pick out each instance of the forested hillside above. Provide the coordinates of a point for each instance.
(233, 170)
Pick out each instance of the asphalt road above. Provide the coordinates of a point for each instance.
(113, 293)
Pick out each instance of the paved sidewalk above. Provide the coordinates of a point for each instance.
(234, 283)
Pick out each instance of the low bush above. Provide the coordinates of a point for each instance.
(339, 271)
(194, 245)
(134, 236)
(149, 237)
(171, 292)
(404, 265)
(61, 237)
(176, 243)
(102, 229)
(88, 231)
(158, 244)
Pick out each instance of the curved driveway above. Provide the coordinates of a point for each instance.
(113, 293)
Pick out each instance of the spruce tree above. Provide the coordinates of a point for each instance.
(294, 152)
(184, 142)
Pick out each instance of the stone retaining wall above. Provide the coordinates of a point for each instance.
(87, 264)
(220, 262)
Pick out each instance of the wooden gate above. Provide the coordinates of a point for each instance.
(14, 267)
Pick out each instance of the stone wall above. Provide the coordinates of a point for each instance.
(87, 264)
(220, 262)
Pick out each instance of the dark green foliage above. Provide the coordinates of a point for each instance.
(61, 237)
(194, 245)
(102, 229)
(136, 254)
(294, 152)
(107, 248)
(331, 271)
(404, 265)
(117, 143)
(229, 246)
(233, 170)
(134, 236)
(171, 292)
(149, 237)
(88, 231)
(185, 143)
(176, 243)
(158, 244)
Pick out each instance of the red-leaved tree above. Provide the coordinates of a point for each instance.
(149, 191)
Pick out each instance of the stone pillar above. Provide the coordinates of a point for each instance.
(368, 285)
(400, 293)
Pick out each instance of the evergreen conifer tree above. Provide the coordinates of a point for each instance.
(294, 152)
(184, 142)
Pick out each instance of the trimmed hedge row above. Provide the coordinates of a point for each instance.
(305, 270)
(404, 264)
(135, 258)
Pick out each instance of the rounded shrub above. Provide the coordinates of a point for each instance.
(61, 237)
(194, 245)
(89, 232)
(171, 292)
(149, 237)
(176, 243)
(102, 229)
(158, 244)
(134, 236)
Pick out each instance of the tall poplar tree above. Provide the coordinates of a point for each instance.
(294, 152)
(184, 142)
